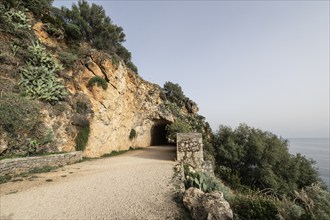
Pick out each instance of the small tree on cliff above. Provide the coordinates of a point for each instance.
(174, 93)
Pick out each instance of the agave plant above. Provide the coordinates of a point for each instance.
(39, 78)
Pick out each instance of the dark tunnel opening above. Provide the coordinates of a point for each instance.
(158, 133)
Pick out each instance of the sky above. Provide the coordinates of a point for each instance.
(262, 63)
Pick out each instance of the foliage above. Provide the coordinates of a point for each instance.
(177, 127)
(73, 33)
(17, 19)
(132, 134)
(204, 181)
(116, 153)
(38, 7)
(82, 138)
(259, 160)
(5, 178)
(254, 207)
(38, 79)
(89, 23)
(98, 81)
(131, 65)
(315, 201)
(53, 31)
(18, 114)
(174, 94)
(44, 169)
(67, 58)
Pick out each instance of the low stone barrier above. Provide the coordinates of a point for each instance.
(190, 148)
(26, 164)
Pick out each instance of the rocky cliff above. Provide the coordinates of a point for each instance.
(128, 105)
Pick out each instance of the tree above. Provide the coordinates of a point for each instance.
(174, 93)
(258, 159)
(177, 127)
(95, 26)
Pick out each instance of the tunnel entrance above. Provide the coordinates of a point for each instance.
(158, 133)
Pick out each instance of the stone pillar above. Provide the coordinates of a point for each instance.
(190, 148)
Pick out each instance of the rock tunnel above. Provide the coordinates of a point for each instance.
(158, 133)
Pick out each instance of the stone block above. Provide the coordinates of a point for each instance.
(190, 148)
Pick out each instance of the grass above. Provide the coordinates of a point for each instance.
(4, 179)
(45, 169)
(13, 156)
(116, 153)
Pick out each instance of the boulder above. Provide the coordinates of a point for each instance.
(208, 206)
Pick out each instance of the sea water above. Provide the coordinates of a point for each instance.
(316, 149)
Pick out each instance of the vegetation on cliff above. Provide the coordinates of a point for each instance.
(34, 75)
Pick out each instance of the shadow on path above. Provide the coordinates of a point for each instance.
(166, 152)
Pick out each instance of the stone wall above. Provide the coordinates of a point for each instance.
(190, 148)
(22, 165)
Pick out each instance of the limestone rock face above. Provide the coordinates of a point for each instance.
(128, 103)
(210, 206)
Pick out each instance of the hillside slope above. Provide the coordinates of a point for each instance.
(57, 95)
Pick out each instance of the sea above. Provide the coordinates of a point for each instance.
(317, 149)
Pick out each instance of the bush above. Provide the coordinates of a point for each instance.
(67, 58)
(17, 19)
(254, 207)
(177, 127)
(132, 66)
(174, 94)
(82, 138)
(132, 134)
(204, 182)
(18, 115)
(257, 159)
(315, 201)
(38, 7)
(38, 79)
(99, 81)
(53, 31)
(73, 33)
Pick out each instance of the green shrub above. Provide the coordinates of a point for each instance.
(132, 66)
(39, 79)
(82, 138)
(258, 160)
(132, 134)
(315, 201)
(17, 19)
(54, 31)
(73, 33)
(254, 207)
(204, 182)
(39, 8)
(177, 127)
(174, 94)
(44, 169)
(67, 58)
(18, 114)
(5, 178)
(98, 81)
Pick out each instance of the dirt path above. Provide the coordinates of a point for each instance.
(135, 185)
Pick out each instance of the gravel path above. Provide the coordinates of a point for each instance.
(135, 185)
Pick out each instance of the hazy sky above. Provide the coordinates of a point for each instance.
(263, 63)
